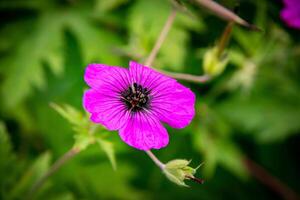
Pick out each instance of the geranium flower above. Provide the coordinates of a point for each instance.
(136, 101)
(291, 13)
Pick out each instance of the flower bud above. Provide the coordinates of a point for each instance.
(213, 64)
(178, 170)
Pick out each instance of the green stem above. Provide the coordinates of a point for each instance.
(155, 160)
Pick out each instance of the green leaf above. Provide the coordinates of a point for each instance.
(206, 146)
(82, 141)
(96, 43)
(71, 114)
(42, 45)
(99, 181)
(7, 162)
(33, 173)
(6, 153)
(213, 140)
(267, 119)
(108, 148)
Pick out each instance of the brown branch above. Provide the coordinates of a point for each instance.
(161, 38)
(225, 13)
(56, 166)
(224, 39)
(267, 179)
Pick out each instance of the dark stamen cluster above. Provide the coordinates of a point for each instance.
(136, 98)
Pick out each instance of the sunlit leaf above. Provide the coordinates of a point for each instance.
(108, 148)
(71, 114)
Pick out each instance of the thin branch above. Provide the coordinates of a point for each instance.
(179, 76)
(267, 179)
(161, 37)
(224, 39)
(155, 160)
(57, 165)
(225, 13)
(187, 77)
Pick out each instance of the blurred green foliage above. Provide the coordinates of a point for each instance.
(252, 109)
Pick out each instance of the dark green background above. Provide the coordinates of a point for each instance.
(45, 47)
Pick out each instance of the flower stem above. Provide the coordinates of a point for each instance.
(155, 160)
(161, 37)
(57, 165)
(187, 77)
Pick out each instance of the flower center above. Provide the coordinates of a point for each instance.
(136, 98)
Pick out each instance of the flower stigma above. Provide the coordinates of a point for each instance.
(136, 98)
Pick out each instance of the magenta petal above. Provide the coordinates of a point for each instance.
(172, 102)
(144, 131)
(291, 18)
(148, 77)
(106, 110)
(104, 77)
(175, 105)
(291, 13)
(291, 3)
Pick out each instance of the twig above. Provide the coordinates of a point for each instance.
(225, 13)
(161, 37)
(57, 165)
(155, 160)
(187, 77)
(224, 39)
(267, 179)
(179, 76)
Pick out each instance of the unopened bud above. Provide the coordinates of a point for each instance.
(213, 64)
(178, 171)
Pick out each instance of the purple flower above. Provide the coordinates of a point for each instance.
(291, 13)
(136, 101)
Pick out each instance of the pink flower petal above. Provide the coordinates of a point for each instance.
(105, 109)
(172, 102)
(175, 105)
(109, 78)
(144, 131)
(149, 78)
(291, 18)
(290, 14)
